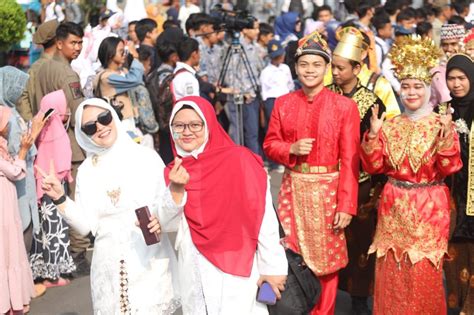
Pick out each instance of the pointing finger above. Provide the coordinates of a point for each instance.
(52, 171)
(42, 173)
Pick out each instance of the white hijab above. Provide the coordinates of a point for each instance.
(87, 144)
(175, 136)
(126, 167)
(425, 110)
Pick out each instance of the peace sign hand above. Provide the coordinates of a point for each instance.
(51, 184)
(376, 122)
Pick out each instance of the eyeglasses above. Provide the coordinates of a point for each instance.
(193, 126)
(90, 128)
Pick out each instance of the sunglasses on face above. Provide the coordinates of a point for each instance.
(90, 128)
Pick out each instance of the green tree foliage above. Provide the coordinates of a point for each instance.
(91, 7)
(12, 24)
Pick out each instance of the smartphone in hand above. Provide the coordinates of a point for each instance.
(143, 216)
(266, 295)
(48, 114)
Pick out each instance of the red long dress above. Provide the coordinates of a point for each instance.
(411, 239)
(308, 201)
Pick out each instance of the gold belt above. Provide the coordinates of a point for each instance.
(306, 168)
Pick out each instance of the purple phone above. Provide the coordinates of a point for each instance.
(266, 295)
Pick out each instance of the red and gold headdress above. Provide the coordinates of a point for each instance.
(414, 57)
(469, 39)
(313, 44)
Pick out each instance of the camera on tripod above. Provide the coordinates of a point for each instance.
(233, 21)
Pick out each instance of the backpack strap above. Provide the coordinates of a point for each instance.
(171, 83)
(372, 81)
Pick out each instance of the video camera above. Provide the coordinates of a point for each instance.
(233, 21)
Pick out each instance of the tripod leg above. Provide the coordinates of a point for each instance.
(225, 66)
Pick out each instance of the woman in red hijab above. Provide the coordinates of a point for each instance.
(228, 239)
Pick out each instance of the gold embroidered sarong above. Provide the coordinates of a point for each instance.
(314, 207)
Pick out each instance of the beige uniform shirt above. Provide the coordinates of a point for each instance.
(27, 106)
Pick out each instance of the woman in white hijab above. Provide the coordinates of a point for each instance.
(117, 177)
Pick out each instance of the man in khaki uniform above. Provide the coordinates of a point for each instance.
(45, 36)
(57, 74)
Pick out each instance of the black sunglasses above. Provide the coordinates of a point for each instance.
(90, 128)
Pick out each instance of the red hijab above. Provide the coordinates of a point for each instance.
(226, 196)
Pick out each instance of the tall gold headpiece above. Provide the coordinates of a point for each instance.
(414, 57)
(351, 44)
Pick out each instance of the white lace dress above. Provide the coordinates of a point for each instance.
(127, 276)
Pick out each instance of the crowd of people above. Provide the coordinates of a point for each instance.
(366, 108)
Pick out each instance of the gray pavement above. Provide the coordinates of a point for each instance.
(75, 298)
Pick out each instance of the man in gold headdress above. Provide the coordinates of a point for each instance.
(358, 277)
(368, 78)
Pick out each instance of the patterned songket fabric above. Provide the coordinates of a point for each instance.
(411, 238)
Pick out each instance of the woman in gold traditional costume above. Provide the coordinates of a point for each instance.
(416, 150)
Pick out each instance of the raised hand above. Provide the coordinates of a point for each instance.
(25, 144)
(446, 121)
(27, 141)
(51, 184)
(302, 146)
(178, 175)
(376, 122)
(37, 124)
(132, 50)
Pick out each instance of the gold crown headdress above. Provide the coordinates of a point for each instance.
(351, 44)
(414, 57)
(469, 40)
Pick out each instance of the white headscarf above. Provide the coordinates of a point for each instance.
(87, 144)
(133, 170)
(175, 136)
(424, 110)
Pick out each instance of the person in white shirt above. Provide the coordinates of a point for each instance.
(276, 81)
(228, 242)
(185, 82)
(384, 29)
(127, 275)
(53, 11)
(186, 10)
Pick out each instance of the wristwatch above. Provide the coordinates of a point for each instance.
(59, 201)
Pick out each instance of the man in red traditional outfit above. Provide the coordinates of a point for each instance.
(314, 132)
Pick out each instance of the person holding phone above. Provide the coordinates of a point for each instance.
(117, 177)
(52, 260)
(228, 241)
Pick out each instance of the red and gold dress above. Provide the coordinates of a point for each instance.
(313, 189)
(411, 239)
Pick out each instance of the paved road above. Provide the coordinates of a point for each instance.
(75, 299)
